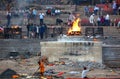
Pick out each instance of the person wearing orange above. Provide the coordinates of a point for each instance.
(42, 67)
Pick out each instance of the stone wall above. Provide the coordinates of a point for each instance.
(75, 51)
(111, 56)
(19, 45)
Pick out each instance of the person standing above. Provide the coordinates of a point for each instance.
(118, 24)
(8, 19)
(119, 10)
(114, 7)
(42, 31)
(102, 21)
(92, 19)
(42, 67)
(28, 30)
(96, 9)
(107, 20)
(46, 33)
(84, 72)
(41, 16)
(34, 12)
(71, 19)
(37, 31)
(86, 10)
(98, 21)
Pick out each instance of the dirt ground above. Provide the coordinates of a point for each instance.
(30, 66)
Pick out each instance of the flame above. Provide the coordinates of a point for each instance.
(15, 26)
(75, 27)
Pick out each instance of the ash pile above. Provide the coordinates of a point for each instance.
(92, 65)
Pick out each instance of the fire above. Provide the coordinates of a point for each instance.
(75, 29)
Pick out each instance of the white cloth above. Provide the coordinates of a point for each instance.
(8, 13)
(107, 17)
(58, 11)
(118, 24)
(91, 19)
(41, 15)
(84, 73)
(96, 8)
(98, 19)
(119, 8)
(37, 29)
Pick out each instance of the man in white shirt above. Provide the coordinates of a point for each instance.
(41, 16)
(84, 73)
(91, 19)
(98, 21)
(107, 20)
(37, 31)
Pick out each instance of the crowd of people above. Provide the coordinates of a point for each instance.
(99, 9)
(52, 11)
(31, 16)
(39, 31)
(103, 13)
(36, 31)
(101, 20)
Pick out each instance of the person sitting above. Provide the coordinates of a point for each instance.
(102, 20)
(48, 12)
(59, 21)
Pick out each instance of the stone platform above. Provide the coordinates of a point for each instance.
(76, 50)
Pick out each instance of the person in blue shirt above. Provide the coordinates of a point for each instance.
(114, 7)
(86, 10)
(42, 31)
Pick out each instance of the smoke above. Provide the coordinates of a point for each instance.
(21, 6)
(23, 3)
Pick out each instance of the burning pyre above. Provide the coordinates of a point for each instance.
(75, 29)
